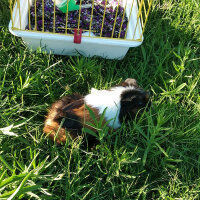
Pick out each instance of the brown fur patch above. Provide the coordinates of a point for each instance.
(85, 116)
(53, 131)
(84, 113)
(60, 110)
(52, 126)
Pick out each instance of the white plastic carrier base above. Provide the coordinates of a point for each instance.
(62, 44)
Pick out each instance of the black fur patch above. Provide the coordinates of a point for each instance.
(132, 101)
(72, 121)
(73, 105)
(66, 100)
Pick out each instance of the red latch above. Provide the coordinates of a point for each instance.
(77, 37)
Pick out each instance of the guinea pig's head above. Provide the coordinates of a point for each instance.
(133, 101)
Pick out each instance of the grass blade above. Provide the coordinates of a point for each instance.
(12, 179)
(6, 163)
(19, 189)
(7, 195)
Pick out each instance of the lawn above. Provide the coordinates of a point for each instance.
(156, 156)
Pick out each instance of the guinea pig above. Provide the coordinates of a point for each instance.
(67, 116)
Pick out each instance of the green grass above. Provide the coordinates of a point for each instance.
(154, 157)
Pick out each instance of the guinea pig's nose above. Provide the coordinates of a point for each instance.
(148, 99)
(147, 95)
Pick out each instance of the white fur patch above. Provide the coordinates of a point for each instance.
(110, 99)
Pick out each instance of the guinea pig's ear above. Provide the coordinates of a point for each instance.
(129, 82)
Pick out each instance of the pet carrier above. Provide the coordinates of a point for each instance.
(106, 28)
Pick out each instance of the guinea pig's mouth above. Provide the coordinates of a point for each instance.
(148, 106)
(139, 111)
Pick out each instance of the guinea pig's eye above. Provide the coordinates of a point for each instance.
(140, 103)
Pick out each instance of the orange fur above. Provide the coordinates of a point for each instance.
(84, 114)
(57, 110)
(53, 131)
